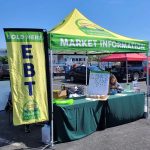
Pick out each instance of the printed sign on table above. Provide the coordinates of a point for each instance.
(98, 83)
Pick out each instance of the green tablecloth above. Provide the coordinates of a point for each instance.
(124, 109)
(85, 117)
(78, 120)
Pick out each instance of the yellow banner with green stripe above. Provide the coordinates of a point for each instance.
(26, 57)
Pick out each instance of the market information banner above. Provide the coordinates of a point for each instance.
(26, 57)
(98, 83)
(104, 45)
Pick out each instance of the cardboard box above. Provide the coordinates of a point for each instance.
(60, 94)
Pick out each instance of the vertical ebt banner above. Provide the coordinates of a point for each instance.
(26, 57)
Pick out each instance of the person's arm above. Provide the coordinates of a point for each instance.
(119, 87)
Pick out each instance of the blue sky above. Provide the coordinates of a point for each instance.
(126, 17)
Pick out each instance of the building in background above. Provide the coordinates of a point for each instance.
(74, 59)
(60, 61)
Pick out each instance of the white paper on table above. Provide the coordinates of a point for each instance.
(98, 83)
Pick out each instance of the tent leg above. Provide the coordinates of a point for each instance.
(50, 102)
(127, 80)
(147, 79)
(51, 92)
(86, 72)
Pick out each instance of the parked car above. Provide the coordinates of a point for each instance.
(135, 70)
(79, 73)
(4, 70)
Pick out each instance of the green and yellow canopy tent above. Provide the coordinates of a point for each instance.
(78, 35)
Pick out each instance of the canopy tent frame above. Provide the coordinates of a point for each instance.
(148, 86)
(87, 38)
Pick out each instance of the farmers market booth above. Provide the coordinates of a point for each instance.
(127, 57)
(78, 35)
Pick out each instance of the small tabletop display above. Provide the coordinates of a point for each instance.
(98, 85)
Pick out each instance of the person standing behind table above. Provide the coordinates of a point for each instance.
(114, 86)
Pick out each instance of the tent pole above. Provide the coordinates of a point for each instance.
(86, 72)
(49, 77)
(51, 92)
(127, 71)
(147, 79)
(50, 102)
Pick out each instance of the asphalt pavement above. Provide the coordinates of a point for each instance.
(131, 136)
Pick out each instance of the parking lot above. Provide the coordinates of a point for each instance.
(131, 136)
